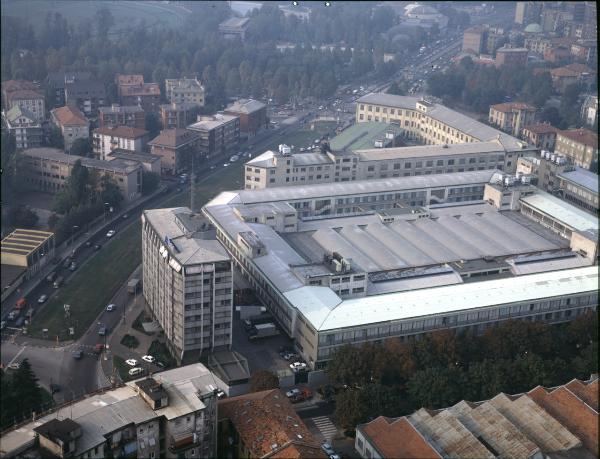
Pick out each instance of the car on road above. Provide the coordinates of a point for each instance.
(111, 307)
(88, 243)
(125, 216)
(14, 365)
(298, 366)
(98, 348)
(292, 393)
(102, 331)
(50, 277)
(148, 358)
(77, 355)
(42, 299)
(67, 262)
(131, 362)
(111, 233)
(73, 266)
(327, 448)
(136, 371)
(97, 247)
(225, 164)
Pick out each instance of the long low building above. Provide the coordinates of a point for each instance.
(363, 261)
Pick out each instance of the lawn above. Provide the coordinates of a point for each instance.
(91, 288)
(304, 137)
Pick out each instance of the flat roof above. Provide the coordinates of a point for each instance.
(326, 311)
(424, 151)
(24, 241)
(122, 166)
(582, 177)
(561, 211)
(362, 136)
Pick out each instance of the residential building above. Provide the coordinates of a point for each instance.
(27, 250)
(528, 12)
(512, 117)
(327, 260)
(570, 74)
(56, 82)
(585, 51)
(511, 56)
(272, 169)
(171, 414)
(580, 146)
(589, 111)
(133, 90)
(539, 43)
(26, 95)
(301, 12)
(176, 148)
(86, 95)
(48, 169)
(264, 424)
(252, 115)
(185, 90)
(105, 140)
(475, 39)
(116, 115)
(72, 123)
(149, 163)
(25, 126)
(234, 28)
(188, 281)
(544, 422)
(542, 135)
(219, 134)
(557, 54)
(177, 115)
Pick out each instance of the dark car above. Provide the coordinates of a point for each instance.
(97, 247)
(67, 262)
(102, 331)
(77, 355)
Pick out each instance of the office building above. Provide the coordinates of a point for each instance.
(219, 134)
(185, 90)
(580, 146)
(132, 116)
(528, 12)
(149, 163)
(176, 148)
(170, 414)
(72, 123)
(188, 281)
(177, 115)
(28, 250)
(86, 95)
(511, 56)
(26, 95)
(48, 169)
(25, 126)
(589, 111)
(252, 115)
(544, 422)
(542, 135)
(327, 260)
(133, 90)
(512, 117)
(105, 140)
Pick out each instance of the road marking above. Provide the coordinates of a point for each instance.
(17, 356)
(325, 426)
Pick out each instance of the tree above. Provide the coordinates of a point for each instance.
(27, 392)
(104, 21)
(81, 147)
(150, 182)
(152, 124)
(55, 138)
(110, 191)
(263, 380)
(436, 387)
(22, 216)
(395, 89)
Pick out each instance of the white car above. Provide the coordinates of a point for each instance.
(42, 299)
(14, 366)
(297, 366)
(131, 362)
(292, 393)
(111, 307)
(111, 233)
(327, 448)
(225, 164)
(148, 358)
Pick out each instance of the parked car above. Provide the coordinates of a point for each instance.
(111, 233)
(67, 263)
(290, 355)
(160, 364)
(148, 358)
(14, 365)
(327, 448)
(292, 393)
(73, 266)
(58, 282)
(77, 355)
(111, 307)
(88, 243)
(136, 371)
(102, 331)
(125, 216)
(298, 366)
(131, 362)
(42, 299)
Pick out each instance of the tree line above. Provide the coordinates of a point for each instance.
(395, 378)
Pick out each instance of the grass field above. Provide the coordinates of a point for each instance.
(91, 288)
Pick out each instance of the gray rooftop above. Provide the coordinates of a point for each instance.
(122, 166)
(583, 178)
(561, 211)
(212, 122)
(245, 106)
(424, 151)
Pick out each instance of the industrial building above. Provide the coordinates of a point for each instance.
(363, 261)
(188, 283)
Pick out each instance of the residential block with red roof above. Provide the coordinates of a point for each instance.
(26, 95)
(512, 117)
(175, 148)
(107, 139)
(579, 145)
(72, 124)
(133, 90)
(542, 135)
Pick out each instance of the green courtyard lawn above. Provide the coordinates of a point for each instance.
(91, 288)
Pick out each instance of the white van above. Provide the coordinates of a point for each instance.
(135, 371)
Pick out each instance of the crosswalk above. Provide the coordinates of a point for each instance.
(325, 426)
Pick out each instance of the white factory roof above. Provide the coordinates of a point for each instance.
(325, 310)
(423, 151)
(562, 211)
(582, 177)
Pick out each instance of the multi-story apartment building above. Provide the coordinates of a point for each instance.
(580, 146)
(185, 90)
(528, 12)
(86, 95)
(72, 123)
(511, 56)
(171, 414)
(56, 82)
(177, 115)
(26, 95)
(475, 39)
(105, 140)
(585, 51)
(188, 281)
(219, 134)
(176, 148)
(234, 28)
(25, 127)
(328, 260)
(589, 111)
(116, 115)
(48, 169)
(284, 169)
(133, 91)
(542, 135)
(512, 117)
(252, 114)
(571, 74)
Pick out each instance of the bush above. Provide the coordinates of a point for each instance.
(161, 353)
(130, 341)
(22, 217)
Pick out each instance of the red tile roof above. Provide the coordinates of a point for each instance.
(571, 411)
(130, 79)
(586, 392)
(510, 106)
(579, 68)
(17, 85)
(146, 89)
(174, 138)
(584, 136)
(25, 94)
(397, 438)
(121, 131)
(268, 426)
(542, 128)
(69, 116)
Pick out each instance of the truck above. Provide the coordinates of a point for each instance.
(264, 331)
(133, 286)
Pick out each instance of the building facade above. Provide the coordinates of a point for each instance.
(580, 146)
(512, 117)
(511, 56)
(188, 281)
(580, 188)
(56, 81)
(177, 115)
(185, 90)
(542, 135)
(475, 39)
(133, 90)
(105, 140)
(116, 115)
(72, 123)
(26, 95)
(176, 148)
(86, 95)
(25, 127)
(219, 134)
(252, 115)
